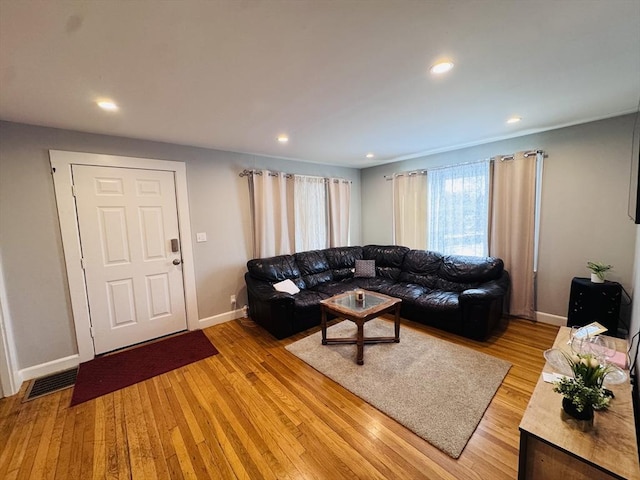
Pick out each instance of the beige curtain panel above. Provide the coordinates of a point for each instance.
(410, 210)
(512, 227)
(339, 191)
(273, 215)
(296, 212)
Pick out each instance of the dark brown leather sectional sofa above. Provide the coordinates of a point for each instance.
(456, 293)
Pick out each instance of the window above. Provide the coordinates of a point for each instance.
(310, 207)
(296, 212)
(457, 217)
(458, 209)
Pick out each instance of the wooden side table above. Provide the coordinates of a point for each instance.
(551, 448)
(594, 302)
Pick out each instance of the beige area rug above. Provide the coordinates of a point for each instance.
(436, 389)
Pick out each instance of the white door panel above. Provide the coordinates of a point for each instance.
(127, 218)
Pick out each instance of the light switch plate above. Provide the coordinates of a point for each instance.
(201, 237)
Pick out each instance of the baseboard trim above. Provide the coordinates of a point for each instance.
(49, 367)
(221, 318)
(551, 319)
(71, 361)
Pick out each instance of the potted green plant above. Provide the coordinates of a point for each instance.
(598, 271)
(584, 392)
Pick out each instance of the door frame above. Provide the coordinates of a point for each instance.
(10, 378)
(61, 165)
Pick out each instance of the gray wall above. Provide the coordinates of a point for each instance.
(635, 317)
(584, 208)
(584, 217)
(30, 242)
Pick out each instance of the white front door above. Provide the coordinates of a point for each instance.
(129, 240)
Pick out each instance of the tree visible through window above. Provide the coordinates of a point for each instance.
(458, 209)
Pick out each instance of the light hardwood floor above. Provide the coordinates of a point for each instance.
(256, 411)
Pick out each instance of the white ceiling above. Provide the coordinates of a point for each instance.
(340, 77)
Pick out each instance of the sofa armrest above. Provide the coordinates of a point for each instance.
(487, 291)
(263, 291)
(269, 308)
(482, 307)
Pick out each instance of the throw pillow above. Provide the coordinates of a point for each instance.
(286, 286)
(365, 268)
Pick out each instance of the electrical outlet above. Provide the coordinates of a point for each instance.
(233, 300)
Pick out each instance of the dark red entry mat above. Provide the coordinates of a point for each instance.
(107, 374)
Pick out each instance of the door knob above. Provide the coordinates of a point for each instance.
(177, 261)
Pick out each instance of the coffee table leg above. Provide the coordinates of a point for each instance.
(360, 343)
(324, 326)
(397, 324)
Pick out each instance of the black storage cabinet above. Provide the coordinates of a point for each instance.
(594, 302)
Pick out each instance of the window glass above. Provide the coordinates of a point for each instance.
(458, 209)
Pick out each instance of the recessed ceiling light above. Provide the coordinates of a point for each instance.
(283, 139)
(514, 120)
(107, 105)
(441, 67)
(369, 155)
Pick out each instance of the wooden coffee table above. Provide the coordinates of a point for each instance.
(346, 306)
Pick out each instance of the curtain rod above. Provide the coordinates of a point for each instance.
(426, 170)
(248, 173)
(501, 157)
(530, 153)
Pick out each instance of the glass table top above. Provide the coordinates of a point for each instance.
(348, 300)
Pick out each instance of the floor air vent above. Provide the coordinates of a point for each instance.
(51, 383)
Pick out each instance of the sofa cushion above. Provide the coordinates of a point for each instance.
(404, 291)
(427, 281)
(461, 268)
(439, 301)
(447, 286)
(422, 262)
(388, 259)
(374, 284)
(275, 269)
(314, 267)
(311, 262)
(421, 267)
(308, 299)
(385, 255)
(337, 287)
(342, 260)
(365, 269)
